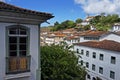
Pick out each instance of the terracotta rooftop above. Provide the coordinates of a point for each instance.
(105, 44)
(118, 32)
(12, 8)
(72, 38)
(94, 33)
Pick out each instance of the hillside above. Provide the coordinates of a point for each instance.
(101, 22)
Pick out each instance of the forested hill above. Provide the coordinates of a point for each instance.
(101, 22)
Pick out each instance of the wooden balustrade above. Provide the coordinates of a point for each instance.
(17, 64)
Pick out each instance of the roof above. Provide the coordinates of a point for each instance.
(116, 24)
(72, 37)
(94, 33)
(118, 32)
(12, 8)
(105, 44)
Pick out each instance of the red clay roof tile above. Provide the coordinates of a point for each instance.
(12, 8)
(105, 44)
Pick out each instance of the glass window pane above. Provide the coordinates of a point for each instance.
(13, 53)
(13, 47)
(87, 53)
(22, 31)
(112, 74)
(17, 41)
(22, 53)
(22, 40)
(88, 76)
(12, 39)
(77, 50)
(82, 51)
(13, 31)
(23, 47)
(93, 67)
(113, 60)
(101, 57)
(94, 55)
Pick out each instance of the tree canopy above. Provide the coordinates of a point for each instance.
(78, 20)
(103, 22)
(58, 63)
(64, 25)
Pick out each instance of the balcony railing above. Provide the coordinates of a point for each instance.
(17, 64)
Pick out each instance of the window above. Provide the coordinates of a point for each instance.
(87, 64)
(101, 57)
(87, 53)
(93, 78)
(18, 41)
(91, 38)
(101, 70)
(88, 76)
(94, 55)
(77, 50)
(112, 74)
(93, 67)
(113, 60)
(82, 51)
(81, 62)
(98, 78)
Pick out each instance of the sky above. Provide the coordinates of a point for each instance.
(69, 9)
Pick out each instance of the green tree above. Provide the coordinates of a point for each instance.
(64, 25)
(78, 20)
(56, 23)
(58, 63)
(103, 23)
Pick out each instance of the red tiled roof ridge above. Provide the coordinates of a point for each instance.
(105, 44)
(72, 37)
(94, 33)
(10, 7)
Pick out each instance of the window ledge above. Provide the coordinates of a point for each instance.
(12, 76)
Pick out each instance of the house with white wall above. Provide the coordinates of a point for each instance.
(101, 59)
(70, 40)
(115, 27)
(50, 40)
(87, 20)
(99, 36)
(20, 42)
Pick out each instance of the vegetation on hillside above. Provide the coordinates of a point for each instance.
(101, 22)
(59, 63)
(64, 25)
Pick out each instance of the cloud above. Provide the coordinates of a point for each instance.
(100, 6)
(2, 0)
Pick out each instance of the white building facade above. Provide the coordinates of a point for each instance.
(101, 62)
(20, 42)
(99, 36)
(115, 27)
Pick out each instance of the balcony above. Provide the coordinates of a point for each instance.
(16, 65)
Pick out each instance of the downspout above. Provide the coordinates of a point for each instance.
(38, 74)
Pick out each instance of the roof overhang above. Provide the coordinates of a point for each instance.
(13, 17)
(13, 14)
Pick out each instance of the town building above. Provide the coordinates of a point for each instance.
(19, 42)
(99, 36)
(72, 39)
(87, 20)
(100, 58)
(53, 38)
(115, 27)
